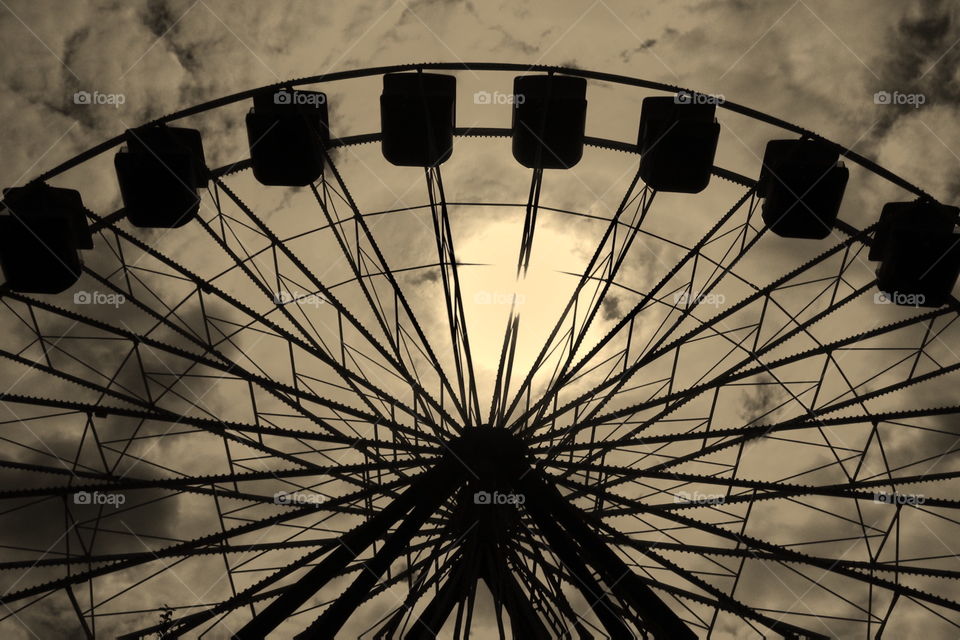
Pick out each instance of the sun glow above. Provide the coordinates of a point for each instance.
(538, 296)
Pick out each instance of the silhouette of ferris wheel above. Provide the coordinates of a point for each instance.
(252, 402)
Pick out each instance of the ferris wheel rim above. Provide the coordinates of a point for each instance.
(624, 80)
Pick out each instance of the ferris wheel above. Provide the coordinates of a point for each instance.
(403, 385)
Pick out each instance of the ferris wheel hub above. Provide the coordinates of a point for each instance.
(492, 458)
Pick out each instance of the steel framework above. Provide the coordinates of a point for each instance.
(655, 467)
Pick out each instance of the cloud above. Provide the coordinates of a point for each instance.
(818, 65)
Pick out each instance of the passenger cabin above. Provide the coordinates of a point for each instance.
(417, 117)
(42, 230)
(919, 252)
(549, 118)
(677, 143)
(288, 130)
(159, 172)
(802, 184)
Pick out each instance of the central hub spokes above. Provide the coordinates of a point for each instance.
(492, 457)
(492, 462)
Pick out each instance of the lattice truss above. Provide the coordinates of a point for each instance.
(719, 427)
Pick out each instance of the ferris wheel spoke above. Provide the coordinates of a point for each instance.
(206, 287)
(125, 482)
(256, 592)
(737, 372)
(230, 370)
(582, 579)
(352, 378)
(626, 322)
(348, 353)
(742, 552)
(724, 601)
(278, 346)
(197, 484)
(447, 575)
(784, 553)
(613, 383)
(811, 419)
(200, 542)
(604, 266)
(547, 579)
(83, 559)
(402, 309)
(854, 489)
(450, 278)
(397, 337)
(681, 595)
(630, 441)
(554, 611)
(508, 348)
(712, 280)
(98, 410)
(277, 247)
(673, 399)
(408, 512)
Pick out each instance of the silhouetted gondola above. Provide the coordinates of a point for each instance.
(917, 247)
(417, 114)
(40, 237)
(288, 130)
(802, 183)
(159, 174)
(677, 143)
(549, 119)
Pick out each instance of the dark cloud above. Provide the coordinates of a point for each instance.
(611, 308)
(162, 56)
(759, 400)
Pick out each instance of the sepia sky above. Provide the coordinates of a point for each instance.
(815, 63)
